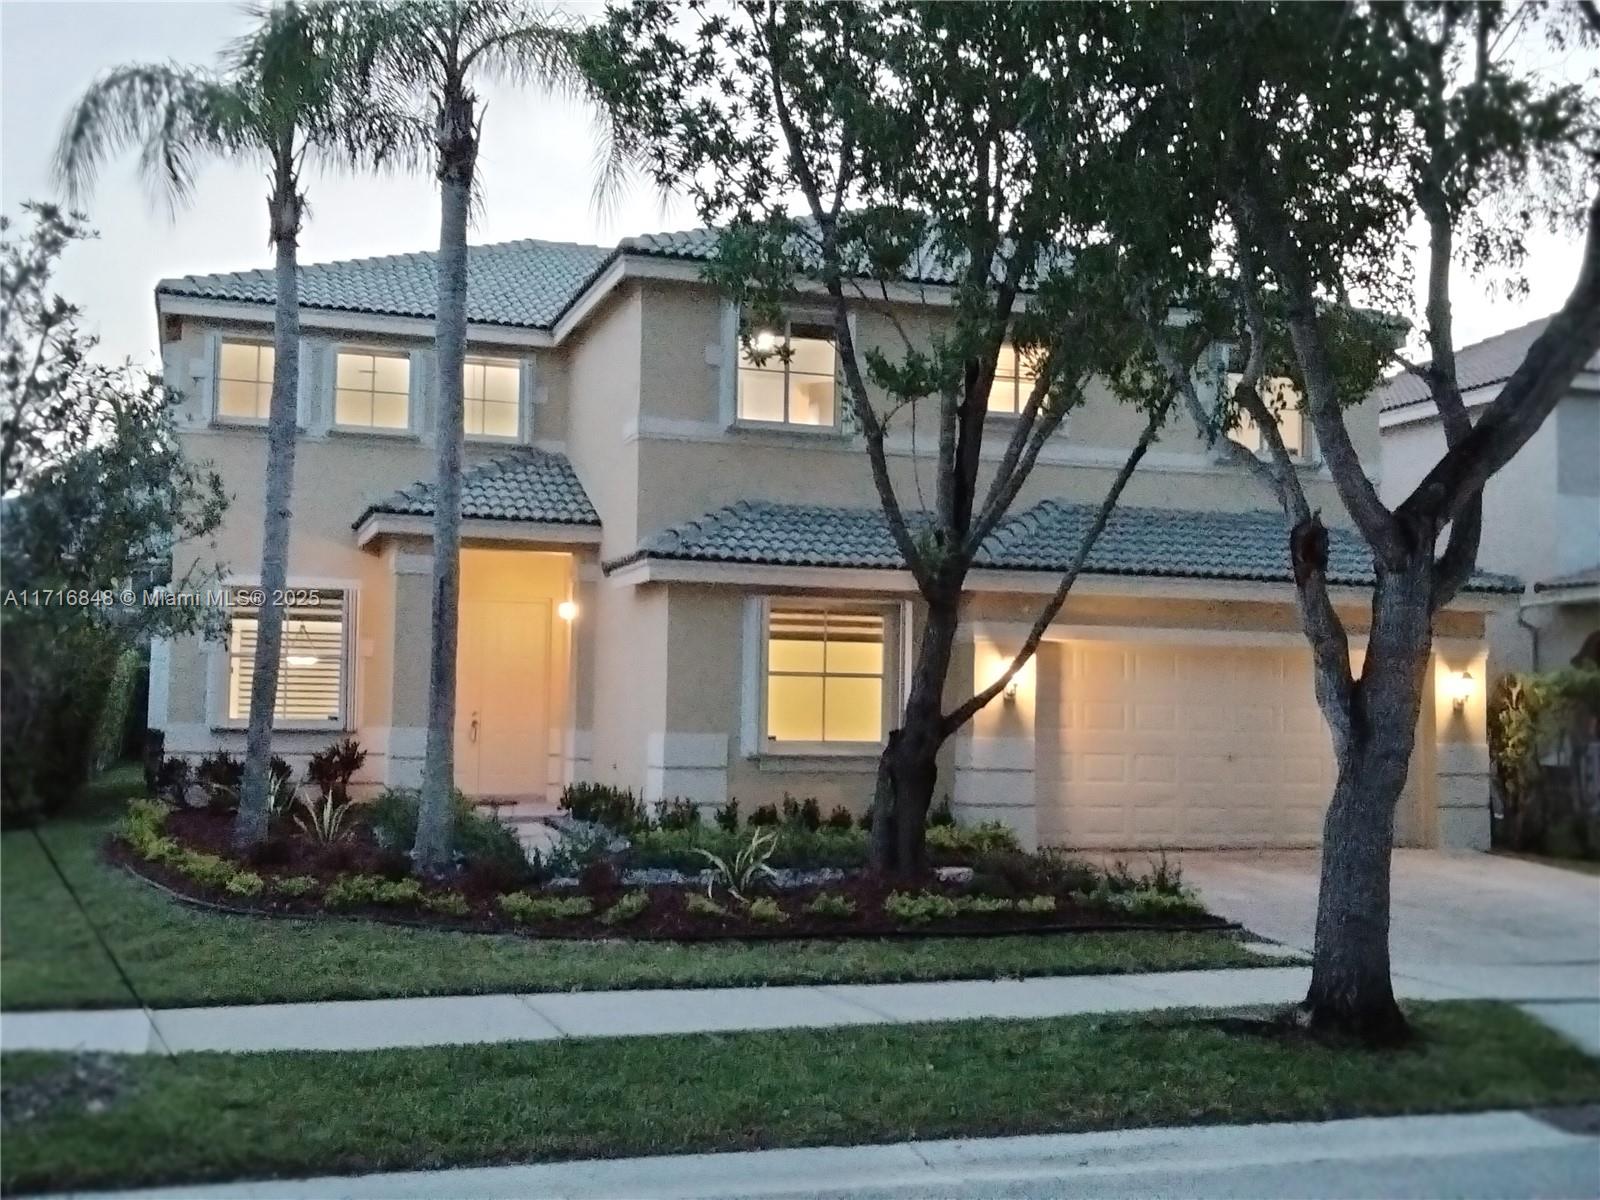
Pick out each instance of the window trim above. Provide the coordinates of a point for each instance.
(757, 623)
(1306, 456)
(1017, 389)
(218, 417)
(733, 350)
(409, 429)
(523, 408)
(220, 657)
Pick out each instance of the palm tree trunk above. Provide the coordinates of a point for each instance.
(458, 154)
(284, 212)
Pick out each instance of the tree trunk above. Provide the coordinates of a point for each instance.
(908, 769)
(1351, 991)
(284, 212)
(458, 154)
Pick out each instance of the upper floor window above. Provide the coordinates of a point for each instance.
(824, 675)
(1013, 381)
(372, 390)
(1283, 400)
(796, 383)
(491, 389)
(310, 662)
(244, 381)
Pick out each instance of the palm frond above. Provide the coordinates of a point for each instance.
(171, 113)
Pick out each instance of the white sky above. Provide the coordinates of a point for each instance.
(536, 170)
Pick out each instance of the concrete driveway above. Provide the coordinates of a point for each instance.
(1452, 909)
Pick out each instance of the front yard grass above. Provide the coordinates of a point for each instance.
(178, 957)
(201, 1117)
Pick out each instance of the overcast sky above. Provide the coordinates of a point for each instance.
(536, 170)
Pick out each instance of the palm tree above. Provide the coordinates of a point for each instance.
(285, 92)
(436, 51)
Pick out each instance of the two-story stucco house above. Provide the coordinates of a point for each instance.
(1541, 512)
(676, 578)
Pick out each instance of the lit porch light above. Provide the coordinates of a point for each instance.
(567, 610)
(1461, 688)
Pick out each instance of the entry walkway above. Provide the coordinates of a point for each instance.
(1567, 995)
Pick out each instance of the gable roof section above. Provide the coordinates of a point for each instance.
(1150, 542)
(525, 284)
(525, 485)
(1479, 365)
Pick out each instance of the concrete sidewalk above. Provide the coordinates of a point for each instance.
(1497, 1154)
(1570, 992)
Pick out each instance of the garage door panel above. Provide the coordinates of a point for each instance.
(1172, 745)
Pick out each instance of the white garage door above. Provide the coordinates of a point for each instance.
(1147, 745)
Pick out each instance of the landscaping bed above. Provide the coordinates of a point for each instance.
(157, 1120)
(688, 883)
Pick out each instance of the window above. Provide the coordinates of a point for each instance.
(372, 390)
(492, 388)
(1283, 400)
(795, 384)
(310, 665)
(1013, 381)
(244, 381)
(824, 675)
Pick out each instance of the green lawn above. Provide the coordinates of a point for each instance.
(177, 956)
(213, 1116)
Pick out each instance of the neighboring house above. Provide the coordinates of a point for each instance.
(675, 576)
(1541, 512)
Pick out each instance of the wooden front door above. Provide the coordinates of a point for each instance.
(502, 697)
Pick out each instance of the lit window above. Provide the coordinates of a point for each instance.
(825, 672)
(795, 385)
(1013, 382)
(490, 387)
(310, 663)
(372, 390)
(244, 381)
(1282, 399)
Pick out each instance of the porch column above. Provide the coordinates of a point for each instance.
(577, 738)
(994, 755)
(1462, 757)
(412, 576)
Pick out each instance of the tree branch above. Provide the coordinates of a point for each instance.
(965, 711)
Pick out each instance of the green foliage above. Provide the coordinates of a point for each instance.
(351, 890)
(525, 909)
(325, 820)
(628, 908)
(679, 849)
(477, 837)
(961, 844)
(832, 905)
(802, 814)
(332, 768)
(1145, 901)
(749, 866)
(1532, 719)
(447, 904)
(680, 813)
(727, 817)
(112, 728)
(766, 910)
(839, 820)
(244, 883)
(766, 814)
(1037, 905)
(984, 905)
(578, 850)
(618, 809)
(941, 814)
(702, 906)
(918, 908)
(294, 886)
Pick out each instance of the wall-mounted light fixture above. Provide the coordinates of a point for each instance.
(567, 610)
(1460, 690)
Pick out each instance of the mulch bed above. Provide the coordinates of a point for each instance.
(666, 918)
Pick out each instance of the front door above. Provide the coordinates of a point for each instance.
(502, 692)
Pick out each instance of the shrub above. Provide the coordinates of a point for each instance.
(221, 774)
(831, 904)
(679, 850)
(767, 911)
(801, 814)
(349, 890)
(1148, 902)
(767, 814)
(1037, 905)
(727, 817)
(331, 770)
(448, 904)
(580, 847)
(626, 909)
(960, 843)
(840, 820)
(599, 877)
(983, 906)
(324, 820)
(681, 813)
(525, 909)
(601, 804)
(294, 885)
(702, 906)
(940, 814)
(919, 908)
(747, 868)
(279, 770)
(1164, 877)
(172, 778)
(244, 883)
(208, 869)
(864, 821)
(477, 837)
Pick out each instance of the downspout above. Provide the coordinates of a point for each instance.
(1533, 636)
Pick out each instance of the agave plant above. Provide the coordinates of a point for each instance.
(750, 865)
(323, 819)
